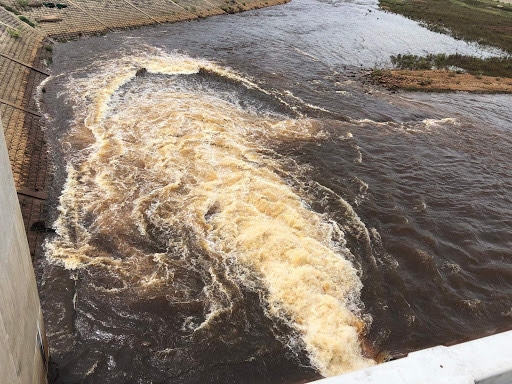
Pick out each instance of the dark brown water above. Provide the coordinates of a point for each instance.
(248, 210)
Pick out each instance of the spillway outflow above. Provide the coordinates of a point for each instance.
(154, 157)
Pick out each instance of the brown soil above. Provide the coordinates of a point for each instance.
(442, 80)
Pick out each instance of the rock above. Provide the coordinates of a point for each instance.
(40, 226)
(141, 72)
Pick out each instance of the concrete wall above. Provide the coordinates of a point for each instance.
(85, 17)
(23, 352)
(483, 361)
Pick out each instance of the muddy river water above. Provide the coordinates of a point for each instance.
(234, 203)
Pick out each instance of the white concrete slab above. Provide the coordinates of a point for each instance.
(483, 361)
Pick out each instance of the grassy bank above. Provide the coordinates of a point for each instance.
(493, 66)
(440, 81)
(482, 21)
(443, 73)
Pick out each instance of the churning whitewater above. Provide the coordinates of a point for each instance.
(158, 160)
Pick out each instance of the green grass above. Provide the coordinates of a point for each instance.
(377, 73)
(27, 20)
(493, 66)
(14, 33)
(482, 21)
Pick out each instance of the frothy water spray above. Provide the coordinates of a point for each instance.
(154, 156)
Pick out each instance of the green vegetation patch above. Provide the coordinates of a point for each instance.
(14, 33)
(492, 66)
(54, 5)
(27, 20)
(482, 21)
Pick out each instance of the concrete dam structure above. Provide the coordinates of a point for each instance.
(23, 352)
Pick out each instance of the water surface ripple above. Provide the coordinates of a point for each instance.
(248, 210)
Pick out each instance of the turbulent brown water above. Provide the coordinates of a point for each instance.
(246, 210)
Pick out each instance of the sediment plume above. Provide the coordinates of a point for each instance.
(154, 156)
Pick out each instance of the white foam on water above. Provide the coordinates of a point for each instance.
(149, 154)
